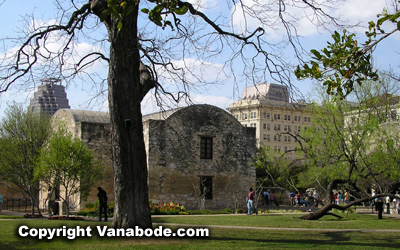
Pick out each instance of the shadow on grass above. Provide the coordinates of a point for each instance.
(336, 240)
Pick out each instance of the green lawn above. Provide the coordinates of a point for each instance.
(221, 237)
(352, 221)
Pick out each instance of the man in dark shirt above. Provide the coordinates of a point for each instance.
(102, 203)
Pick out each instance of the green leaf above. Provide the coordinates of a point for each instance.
(144, 10)
(119, 26)
(181, 11)
(316, 54)
(104, 15)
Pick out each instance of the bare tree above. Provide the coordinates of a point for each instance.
(143, 55)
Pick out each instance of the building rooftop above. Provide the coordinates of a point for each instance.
(266, 91)
(88, 116)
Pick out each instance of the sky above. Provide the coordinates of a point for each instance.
(230, 83)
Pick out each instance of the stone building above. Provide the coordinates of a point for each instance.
(93, 128)
(197, 156)
(267, 108)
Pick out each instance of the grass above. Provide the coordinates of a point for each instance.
(221, 237)
(352, 221)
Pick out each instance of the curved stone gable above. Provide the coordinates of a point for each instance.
(177, 166)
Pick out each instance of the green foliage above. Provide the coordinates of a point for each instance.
(273, 169)
(340, 65)
(119, 10)
(22, 134)
(344, 64)
(93, 210)
(66, 162)
(163, 8)
(351, 143)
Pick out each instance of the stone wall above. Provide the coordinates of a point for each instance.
(175, 165)
(173, 154)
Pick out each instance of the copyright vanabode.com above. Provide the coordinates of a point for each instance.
(104, 231)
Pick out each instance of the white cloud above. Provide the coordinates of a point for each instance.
(149, 104)
(265, 14)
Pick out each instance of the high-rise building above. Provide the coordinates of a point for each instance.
(49, 97)
(267, 108)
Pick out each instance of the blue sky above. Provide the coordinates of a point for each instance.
(311, 36)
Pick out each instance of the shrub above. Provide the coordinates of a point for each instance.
(228, 210)
(166, 208)
(89, 205)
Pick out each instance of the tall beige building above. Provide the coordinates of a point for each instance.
(267, 108)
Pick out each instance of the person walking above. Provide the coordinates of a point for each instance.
(250, 202)
(1, 202)
(102, 203)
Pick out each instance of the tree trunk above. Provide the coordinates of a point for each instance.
(129, 155)
(329, 206)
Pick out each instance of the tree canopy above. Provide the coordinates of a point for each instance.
(66, 164)
(345, 62)
(22, 134)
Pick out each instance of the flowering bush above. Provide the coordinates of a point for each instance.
(167, 208)
(161, 208)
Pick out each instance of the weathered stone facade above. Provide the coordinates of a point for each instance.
(93, 128)
(176, 166)
(173, 143)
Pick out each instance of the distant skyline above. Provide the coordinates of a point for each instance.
(221, 95)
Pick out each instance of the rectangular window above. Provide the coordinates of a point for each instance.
(206, 187)
(268, 116)
(288, 118)
(264, 126)
(206, 148)
(268, 127)
(268, 138)
(285, 117)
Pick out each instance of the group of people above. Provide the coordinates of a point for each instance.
(339, 198)
(380, 203)
(268, 198)
(310, 198)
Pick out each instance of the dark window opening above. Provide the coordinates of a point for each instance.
(206, 187)
(206, 148)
